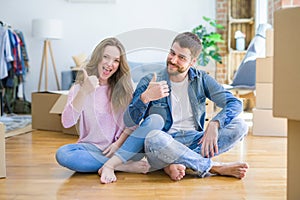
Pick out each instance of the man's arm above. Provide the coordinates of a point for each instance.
(231, 106)
(147, 90)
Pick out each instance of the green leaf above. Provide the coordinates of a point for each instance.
(206, 18)
(209, 41)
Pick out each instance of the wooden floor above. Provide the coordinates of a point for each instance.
(32, 173)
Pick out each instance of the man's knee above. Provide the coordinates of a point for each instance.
(153, 137)
(157, 121)
(241, 127)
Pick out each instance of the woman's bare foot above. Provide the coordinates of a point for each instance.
(235, 169)
(175, 171)
(134, 167)
(107, 175)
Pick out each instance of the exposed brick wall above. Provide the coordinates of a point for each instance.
(297, 2)
(222, 18)
(274, 5)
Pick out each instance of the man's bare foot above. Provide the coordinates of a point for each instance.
(134, 167)
(175, 171)
(107, 175)
(235, 169)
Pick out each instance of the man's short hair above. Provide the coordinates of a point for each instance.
(191, 41)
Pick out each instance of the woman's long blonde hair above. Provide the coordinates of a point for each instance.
(120, 83)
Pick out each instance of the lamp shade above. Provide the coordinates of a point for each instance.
(47, 28)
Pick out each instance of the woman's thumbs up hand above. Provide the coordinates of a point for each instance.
(90, 83)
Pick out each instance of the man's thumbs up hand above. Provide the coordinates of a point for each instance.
(153, 77)
(155, 90)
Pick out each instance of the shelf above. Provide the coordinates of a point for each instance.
(245, 20)
(241, 15)
(236, 51)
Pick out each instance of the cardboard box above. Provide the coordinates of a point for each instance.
(46, 109)
(286, 88)
(264, 70)
(293, 148)
(210, 109)
(286, 93)
(264, 124)
(269, 43)
(264, 95)
(41, 104)
(2, 151)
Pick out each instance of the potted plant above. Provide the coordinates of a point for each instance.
(210, 49)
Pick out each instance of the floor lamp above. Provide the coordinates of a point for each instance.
(47, 29)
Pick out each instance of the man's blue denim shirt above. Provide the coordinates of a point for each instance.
(201, 86)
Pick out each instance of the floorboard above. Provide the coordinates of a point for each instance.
(32, 173)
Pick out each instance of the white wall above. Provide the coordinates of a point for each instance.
(87, 24)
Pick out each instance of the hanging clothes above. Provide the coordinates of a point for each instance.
(14, 64)
(23, 55)
(5, 52)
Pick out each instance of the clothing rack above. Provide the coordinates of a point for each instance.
(14, 64)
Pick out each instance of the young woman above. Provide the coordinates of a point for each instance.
(97, 102)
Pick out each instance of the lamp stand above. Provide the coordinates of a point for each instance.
(47, 45)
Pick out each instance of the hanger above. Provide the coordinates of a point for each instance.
(5, 24)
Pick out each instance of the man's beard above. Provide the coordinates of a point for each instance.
(180, 69)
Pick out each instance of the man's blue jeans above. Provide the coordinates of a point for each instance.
(182, 147)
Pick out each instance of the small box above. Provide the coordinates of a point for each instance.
(46, 109)
(41, 104)
(265, 124)
(264, 95)
(2, 151)
(269, 43)
(209, 108)
(264, 70)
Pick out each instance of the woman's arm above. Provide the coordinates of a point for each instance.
(76, 99)
(111, 149)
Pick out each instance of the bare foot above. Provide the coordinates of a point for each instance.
(175, 171)
(235, 169)
(134, 167)
(107, 175)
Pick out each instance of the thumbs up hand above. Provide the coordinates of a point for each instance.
(90, 83)
(155, 90)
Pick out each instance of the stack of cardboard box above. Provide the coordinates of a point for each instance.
(263, 121)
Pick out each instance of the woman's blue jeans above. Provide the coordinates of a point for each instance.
(85, 157)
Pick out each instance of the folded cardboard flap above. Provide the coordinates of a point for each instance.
(59, 105)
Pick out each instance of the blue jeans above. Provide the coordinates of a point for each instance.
(134, 144)
(81, 157)
(181, 147)
(85, 157)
